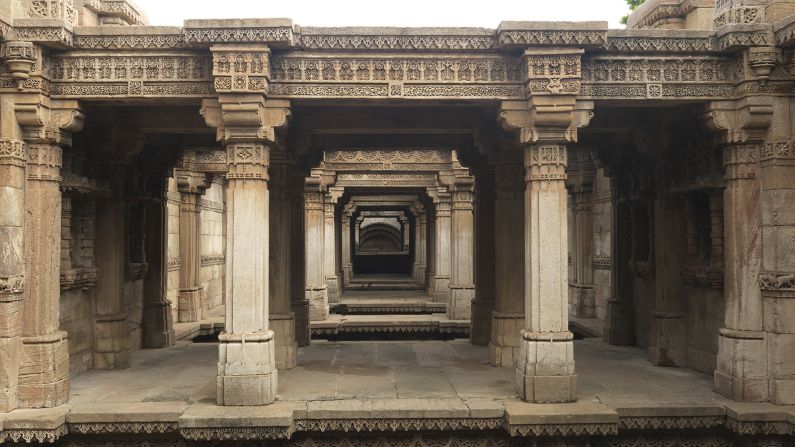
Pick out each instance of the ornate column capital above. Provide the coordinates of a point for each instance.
(246, 118)
(740, 122)
(50, 122)
(546, 118)
(192, 182)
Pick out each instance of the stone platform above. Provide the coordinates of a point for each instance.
(394, 389)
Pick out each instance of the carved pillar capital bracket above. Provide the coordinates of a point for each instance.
(19, 58)
(50, 122)
(739, 127)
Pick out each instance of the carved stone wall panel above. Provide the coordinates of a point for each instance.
(131, 74)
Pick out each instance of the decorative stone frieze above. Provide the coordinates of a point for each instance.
(542, 34)
(274, 32)
(239, 68)
(387, 160)
(180, 73)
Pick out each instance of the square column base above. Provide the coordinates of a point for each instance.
(246, 369)
(332, 289)
(111, 342)
(318, 304)
(506, 330)
(301, 314)
(460, 305)
(668, 341)
(741, 373)
(545, 369)
(44, 371)
(480, 332)
(283, 326)
(189, 305)
(441, 289)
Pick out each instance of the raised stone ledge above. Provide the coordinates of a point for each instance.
(272, 32)
(665, 41)
(129, 37)
(283, 419)
(392, 38)
(576, 34)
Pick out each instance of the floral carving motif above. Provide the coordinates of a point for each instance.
(395, 42)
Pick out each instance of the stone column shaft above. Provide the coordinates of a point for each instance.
(346, 249)
(620, 313)
(582, 290)
(330, 251)
(158, 324)
(12, 267)
(508, 318)
(483, 305)
(111, 332)
(190, 289)
(741, 373)
(442, 253)
(545, 371)
(300, 305)
(316, 286)
(44, 368)
(282, 318)
(246, 364)
(462, 278)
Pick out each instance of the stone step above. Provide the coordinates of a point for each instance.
(382, 307)
(404, 327)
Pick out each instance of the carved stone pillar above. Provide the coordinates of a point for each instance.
(441, 277)
(422, 246)
(282, 319)
(330, 248)
(299, 303)
(12, 267)
(191, 185)
(620, 312)
(44, 367)
(462, 277)
(157, 323)
(246, 124)
(347, 266)
(742, 355)
(314, 223)
(483, 305)
(405, 230)
(417, 270)
(581, 291)
(111, 332)
(508, 317)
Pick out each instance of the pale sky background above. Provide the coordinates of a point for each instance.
(464, 13)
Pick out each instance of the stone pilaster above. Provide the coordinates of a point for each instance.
(329, 248)
(442, 252)
(191, 185)
(12, 267)
(314, 224)
(157, 323)
(741, 372)
(282, 318)
(44, 368)
(581, 290)
(246, 124)
(405, 229)
(508, 316)
(422, 247)
(417, 268)
(620, 312)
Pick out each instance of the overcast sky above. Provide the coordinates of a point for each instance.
(465, 13)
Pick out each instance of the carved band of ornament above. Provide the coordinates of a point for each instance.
(28, 436)
(81, 278)
(376, 180)
(783, 150)
(740, 161)
(148, 41)
(777, 283)
(174, 197)
(376, 156)
(175, 74)
(751, 428)
(396, 424)
(703, 276)
(247, 162)
(498, 91)
(744, 39)
(601, 262)
(552, 38)
(53, 9)
(260, 35)
(667, 440)
(211, 205)
(741, 15)
(235, 433)
(57, 34)
(12, 287)
(661, 44)
(174, 264)
(241, 71)
(656, 91)
(207, 260)
(434, 70)
(592, 429)
(396, 42)
(44, 162)
(631, 70)
(123, 427)
(12, 152)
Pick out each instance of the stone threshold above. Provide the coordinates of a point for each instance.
(283, 419)
(411, 307)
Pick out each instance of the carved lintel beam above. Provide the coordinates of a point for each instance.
(213, 161)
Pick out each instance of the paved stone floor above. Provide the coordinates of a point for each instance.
(616, 376)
